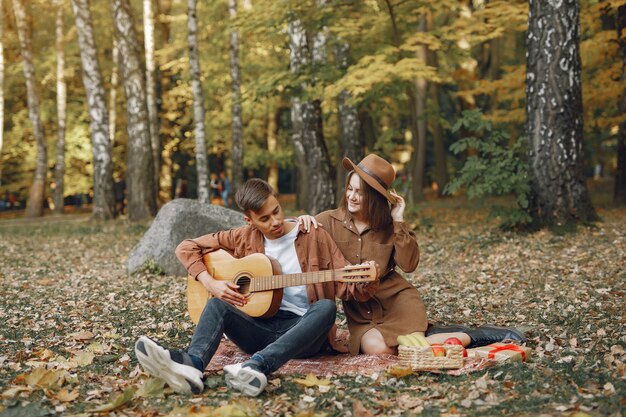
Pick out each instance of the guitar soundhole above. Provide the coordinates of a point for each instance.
(244, 285)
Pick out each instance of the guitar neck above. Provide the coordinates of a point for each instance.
(273, 282)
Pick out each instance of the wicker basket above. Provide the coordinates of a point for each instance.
(421, 357)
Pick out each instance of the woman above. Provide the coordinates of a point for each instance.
(369, 225)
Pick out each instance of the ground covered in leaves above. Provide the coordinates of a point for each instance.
(69, 317)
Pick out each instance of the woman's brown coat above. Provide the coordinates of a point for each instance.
(396, 308)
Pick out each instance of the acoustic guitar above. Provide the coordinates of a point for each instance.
(260, 281)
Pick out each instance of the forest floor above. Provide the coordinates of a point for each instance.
(69, 317)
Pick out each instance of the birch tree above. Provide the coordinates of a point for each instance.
(272, 142)
(554, 114)
(237, 149)
(140, 173)
(316, 185)
(59, 167)
(202, 165)
(115, 60)
(151, 80)
(350, 142)
(416, 93)
(103, 201)
(34, 204)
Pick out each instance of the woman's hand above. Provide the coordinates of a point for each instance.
(307, 221)
(397, 209)
(224, 290)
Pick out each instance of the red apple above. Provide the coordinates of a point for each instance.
(438, 350)
(455, 341)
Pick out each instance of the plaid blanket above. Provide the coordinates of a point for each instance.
(334, 364)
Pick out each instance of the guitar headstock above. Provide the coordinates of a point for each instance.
(356, 273)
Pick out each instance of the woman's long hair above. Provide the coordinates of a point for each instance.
(376, 211)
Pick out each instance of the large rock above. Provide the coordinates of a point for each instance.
(178, 220)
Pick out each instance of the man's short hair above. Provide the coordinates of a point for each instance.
(253, 194)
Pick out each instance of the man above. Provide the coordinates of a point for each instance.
(304, 324)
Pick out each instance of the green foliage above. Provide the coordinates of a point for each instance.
(151, 267)
(496, 168)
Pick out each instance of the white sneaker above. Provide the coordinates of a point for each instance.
(175, 367)
(247, 380)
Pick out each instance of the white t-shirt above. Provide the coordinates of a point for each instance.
(283, 250)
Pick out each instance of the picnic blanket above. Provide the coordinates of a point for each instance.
(334, 364)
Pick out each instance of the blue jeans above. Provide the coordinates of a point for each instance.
(275, 340)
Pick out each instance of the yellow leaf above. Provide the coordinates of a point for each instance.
(14, 391)
(98, 348)
(399, 371)
(152, 387)
(44, 354)
(66, 396)
(85, 335)
(43, 378)
(84, 358)
(311, 381)
(117, 402)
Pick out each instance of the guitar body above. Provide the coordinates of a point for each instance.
(224, 267)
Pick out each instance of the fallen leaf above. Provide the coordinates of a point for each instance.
(358, 410)
(609, 388)
(84, 358)
(191, 411)
(232, 410)
(399, 371)
(65, 396)
(152, 387)
(84, 335)
(118, 401)
(98, 348)
(45, 378)
(312, 381)
(45, 354)
(13, 391)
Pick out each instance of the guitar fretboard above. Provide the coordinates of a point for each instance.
(266, 283)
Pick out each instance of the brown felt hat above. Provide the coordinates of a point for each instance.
(376, 172)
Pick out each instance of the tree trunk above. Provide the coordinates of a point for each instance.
(202, 165)
(59, 168)
(237, 152)
(151, 98)
(439, 140)
(164, 7)
(34, 205)
(350, 142)
(103, 202)
(439, 145)
(140, 175)
(298, 58)
(115, 57)
(554, 114)
(272, 143)
(1, 85)
(316, 185)
(417, 103)
(418, 119)
(619, 192)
